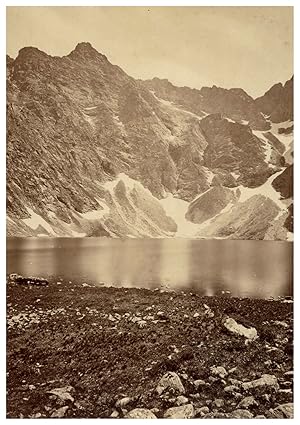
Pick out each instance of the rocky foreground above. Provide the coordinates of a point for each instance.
(79, 351)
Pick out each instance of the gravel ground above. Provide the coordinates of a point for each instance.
(79, 351)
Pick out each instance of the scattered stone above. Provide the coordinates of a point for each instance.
(181, 399)
(231, 388)
(265, 381)
(199, 383)
(196, 315)
(60, 413)
(260, 417)
(234, 381)
(31, 387)
(195, 396)
(234, 327)
(37, 415)
(124, 401)
(142, 323)
(208, 311)
(181, 412)
(218, 403)
(114, 414)
(219, 371)
(170, 380)
(241, 414)
(201, 411)
(140, 414)
(184, 376)
(216, 415)
(289, 373)
(281, 323)
(238, 396)
(285, 391)
(63, 393)
(283, 411)
(247, 402)
(21, 280)
(111, 318)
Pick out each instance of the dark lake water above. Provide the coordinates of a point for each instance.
(257, 269)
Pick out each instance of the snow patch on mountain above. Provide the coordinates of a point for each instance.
(209, 175)
(286, 139)
(90, 108)
(267, 145)
(235, 175)
(176, 209)
(173, 106)
(129, 183)
(265, 189)
(36, 220)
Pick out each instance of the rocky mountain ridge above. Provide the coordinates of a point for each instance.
(91, 151)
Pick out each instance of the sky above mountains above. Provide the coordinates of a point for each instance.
(247, 47)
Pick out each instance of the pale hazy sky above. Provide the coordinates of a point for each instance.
(248, 47)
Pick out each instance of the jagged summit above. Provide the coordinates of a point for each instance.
(84, 46)
(30, 51)
(86, 50)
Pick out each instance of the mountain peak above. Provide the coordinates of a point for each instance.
(85, 50)
(31, 51)
(84, 46)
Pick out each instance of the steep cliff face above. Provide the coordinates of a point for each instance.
(277, 103)
(233, 148)
(91, 151)
(73, 121)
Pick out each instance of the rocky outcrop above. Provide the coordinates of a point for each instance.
(234, 103)
(246, 220)
(277, 103)
(209, 204)
(284, 182)
(233, 148)
(125, 209)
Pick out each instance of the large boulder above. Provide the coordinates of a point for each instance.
(140, 414)
(181, 412)
(170, 380)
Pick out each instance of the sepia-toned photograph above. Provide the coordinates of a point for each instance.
(149, 212)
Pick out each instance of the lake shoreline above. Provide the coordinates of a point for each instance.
(102, 345)
(211, 267)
